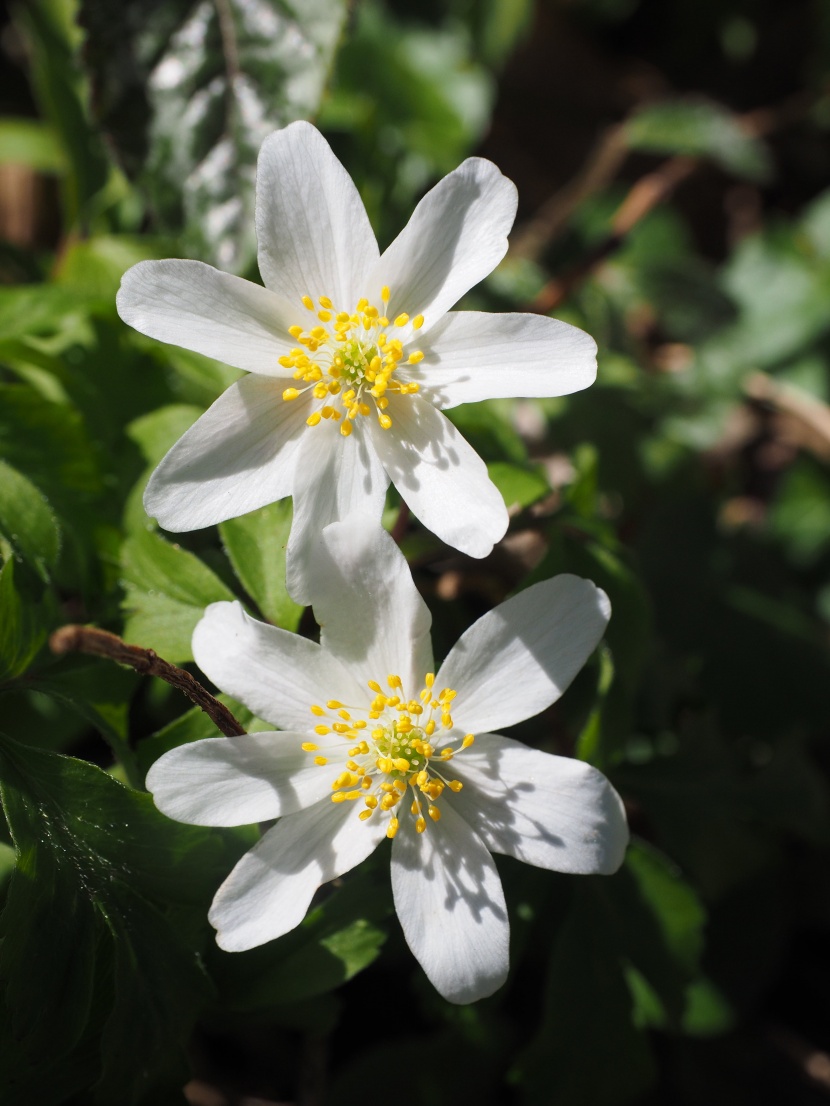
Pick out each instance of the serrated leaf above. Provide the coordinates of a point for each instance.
(93, 859)
(167, 589)
(702, 129)
(255, 544)
(27, 521)
(188, 89)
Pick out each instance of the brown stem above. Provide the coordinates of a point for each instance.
(101, 643)
(644, 195)
(603, 164)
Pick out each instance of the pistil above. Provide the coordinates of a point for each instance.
(348, 361)
(391, 751)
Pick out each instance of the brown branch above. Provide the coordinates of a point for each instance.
(603, 164)
(101, 643)
(644, 195)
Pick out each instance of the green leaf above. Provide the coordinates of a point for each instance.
(660, 924)
(22, 627)
(800, 515)
(99, 692)
(68, 466)
(336, 941)
(699, 128)
(27, 521)
(94, 266)
(37, 309)
(188, 91)
(30, 142)
(166, 592)
(255, 544)
(519, 485)
(155, 432)
(83, 941)
(53, 41)
(193, 725)
(586, 1051)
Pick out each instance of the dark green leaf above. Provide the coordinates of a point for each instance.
(27, 521)
(22, 626)
(92, 857)
(572, 1060)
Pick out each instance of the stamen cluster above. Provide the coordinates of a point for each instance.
(347, 361)
(397, 755)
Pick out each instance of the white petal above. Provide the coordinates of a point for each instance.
(474, 355)
(450, 902)
(234, 781)
(276, 674)
(269, 891)
(370, 613)
(440, 476)
(335, 478)
(456, 236)
(519, 658)
(237, 457)
(314, 235)
(549, 811)
(200, 308)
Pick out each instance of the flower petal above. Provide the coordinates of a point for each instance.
(335, 478)
(450, 902)
(269, 891)
(474, 355)
(314, 235)
(238, 456)
(549, 811)
(234, 781)
(371, 615)
(519, 658)
(440, 476)
(276, 674)
(456, 236)
(193, 305)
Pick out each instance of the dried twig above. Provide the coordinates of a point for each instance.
(603, 164)
(643, 196)
(101, 643)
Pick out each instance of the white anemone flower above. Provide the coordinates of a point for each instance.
(374, 746)
(352, 356)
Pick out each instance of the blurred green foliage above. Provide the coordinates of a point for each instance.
(691, 483)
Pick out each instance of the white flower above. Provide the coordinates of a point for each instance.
(375, 746)
(352, 356)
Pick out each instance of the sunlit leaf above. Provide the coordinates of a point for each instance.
(166, 592)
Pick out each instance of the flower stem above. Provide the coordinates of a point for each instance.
(101, 643)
